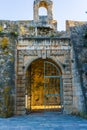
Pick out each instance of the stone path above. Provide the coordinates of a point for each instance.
(45, 121)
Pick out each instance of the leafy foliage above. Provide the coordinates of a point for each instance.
(83, 115)
(4, 42)
(15, 34)
(1, 28)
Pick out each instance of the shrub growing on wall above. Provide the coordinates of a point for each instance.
(4, 42)
(1, 28)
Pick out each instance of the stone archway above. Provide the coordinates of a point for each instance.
(43, 86)
(25, 58)
(24, 63)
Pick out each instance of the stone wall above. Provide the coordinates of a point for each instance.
(55, 48)
(27, 36)
(79, 65)
(7, 70)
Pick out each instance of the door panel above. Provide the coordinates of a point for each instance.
(52, 87)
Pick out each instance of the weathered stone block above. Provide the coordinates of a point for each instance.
(20, 103)
(68, 98)
(68, 93)
(67, 89)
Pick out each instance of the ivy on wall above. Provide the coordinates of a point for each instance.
(4, 42)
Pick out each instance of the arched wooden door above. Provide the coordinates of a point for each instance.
(44, 87)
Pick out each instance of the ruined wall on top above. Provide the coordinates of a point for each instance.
(71, 23)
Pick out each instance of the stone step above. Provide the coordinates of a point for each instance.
(20, 99)
(67, 81)
(67, 85)
(67, 89)
(68, 72)
(21, 85)
(67, 102)
(21, 94)
(20, 103)
(21, 73)
(68, 68)
(20, 69)
(67, 76)
(20, 90)
(21, 81)
(20, 108)
(68, 98)
(68, 93)
(20, 112)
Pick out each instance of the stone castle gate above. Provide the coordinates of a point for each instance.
(43, 65)
(56, 51)
(41, 68)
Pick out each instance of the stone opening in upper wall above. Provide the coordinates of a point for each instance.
(42, 11)
(47, 4)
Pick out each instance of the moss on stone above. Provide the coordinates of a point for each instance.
(1, 28)
(7, 103)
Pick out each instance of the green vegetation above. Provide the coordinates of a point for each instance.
(1, 28)
(4, 42)
(52, 35)
(83, 115)
(31, 27)
(80, 114)
(15, 34)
